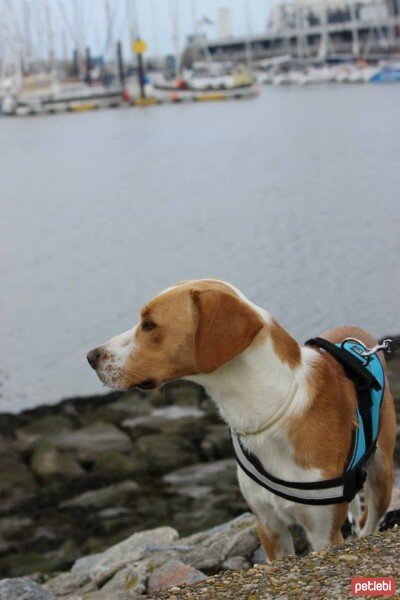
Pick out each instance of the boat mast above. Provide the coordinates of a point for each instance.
(50, 39)
(174, 5)
(249, 57)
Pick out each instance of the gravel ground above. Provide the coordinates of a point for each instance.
(320, 575)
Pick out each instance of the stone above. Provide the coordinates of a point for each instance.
(209, 549)
(259, 557)
(47, 462)
(43, 427)
(67, 583)
(235, 562)
(173, 573)
(22, 588)
(217, 443)
(14, 525)
(82, 566)
(118, 493)
(165, 452)
(131, 580)
(130, 550)
(93, 439)
(220, 472)
(116, 465)
(17, 484)
(184, 421)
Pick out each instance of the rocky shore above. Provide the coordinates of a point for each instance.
(85, 482)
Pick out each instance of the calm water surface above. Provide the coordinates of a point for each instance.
(294, 197)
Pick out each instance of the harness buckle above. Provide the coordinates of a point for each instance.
(385, 346)
(353, 482)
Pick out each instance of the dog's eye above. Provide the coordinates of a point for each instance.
(148, 325)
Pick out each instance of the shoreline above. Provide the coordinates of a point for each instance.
(85, 473)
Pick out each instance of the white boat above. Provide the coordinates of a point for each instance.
(315, 75)
(41, 93)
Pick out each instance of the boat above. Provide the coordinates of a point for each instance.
(206, 81)
(387, 74)
(41, 93)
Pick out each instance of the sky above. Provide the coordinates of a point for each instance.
(154, 17)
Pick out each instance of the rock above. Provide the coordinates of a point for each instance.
(94, 439)
(235, 562)
(178, 392)
(116, 466)
(129, 551)
(15, 525)
(173, 573)
(47, 462)
(22, 588)
(165, 452)
(131, 580)
(43, 427)
(259, 557)
(131, 404)
(184, 421)
(82, 566)
(17, 484)
(217, 443)
(118, 493)
(65, 584)
(199, 479)
(114, 512)
(209, 549)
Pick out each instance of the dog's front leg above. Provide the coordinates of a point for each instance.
(276, 541)
(323, 524)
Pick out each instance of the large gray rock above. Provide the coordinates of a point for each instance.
(47, 462)
(210, 549)
(116, 494)
(130, 550)
(131, 580)
(163, 452)
(66, 584)
(100, 437)
(21, 588)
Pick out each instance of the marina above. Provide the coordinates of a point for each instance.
(306, 43)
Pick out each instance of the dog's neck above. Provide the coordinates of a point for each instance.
(250, 389)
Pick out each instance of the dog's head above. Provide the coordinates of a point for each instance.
(191, 328)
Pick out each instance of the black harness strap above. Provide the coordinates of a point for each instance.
(361, 377)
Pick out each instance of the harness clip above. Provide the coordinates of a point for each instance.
(385, 346)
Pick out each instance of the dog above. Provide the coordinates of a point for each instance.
(208, 332)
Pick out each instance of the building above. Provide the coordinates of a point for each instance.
(312, 30)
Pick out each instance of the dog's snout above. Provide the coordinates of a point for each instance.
(93, 357)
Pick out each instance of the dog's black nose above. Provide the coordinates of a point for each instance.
(93, 357)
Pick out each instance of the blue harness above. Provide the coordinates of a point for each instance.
(368, 424)
(368, 377)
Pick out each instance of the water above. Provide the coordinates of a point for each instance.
(294, 197)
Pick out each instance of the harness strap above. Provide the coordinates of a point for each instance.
(357, 371)
(345, 487)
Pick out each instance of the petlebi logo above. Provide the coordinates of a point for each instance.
(373, 586)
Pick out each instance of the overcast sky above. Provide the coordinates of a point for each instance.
(155, 19)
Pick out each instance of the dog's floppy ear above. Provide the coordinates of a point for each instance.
(226, 326)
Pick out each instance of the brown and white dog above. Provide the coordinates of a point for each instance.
(206, 331)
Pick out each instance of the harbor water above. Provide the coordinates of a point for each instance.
(294, 197)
